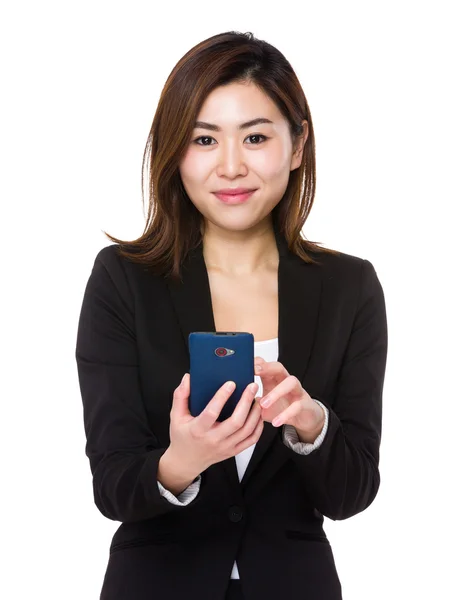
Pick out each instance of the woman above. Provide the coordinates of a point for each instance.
(231, 509)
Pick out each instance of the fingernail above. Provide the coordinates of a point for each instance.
(183, 380)
(253, 387)
(258, 368)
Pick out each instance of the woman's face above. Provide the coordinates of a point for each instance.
(258, 157)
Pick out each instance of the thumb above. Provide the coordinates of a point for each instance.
(180, 397)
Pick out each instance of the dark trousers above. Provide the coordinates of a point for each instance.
(234, 591)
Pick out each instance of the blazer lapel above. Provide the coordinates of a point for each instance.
(299, 290)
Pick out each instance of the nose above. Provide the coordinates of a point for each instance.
(231, 160)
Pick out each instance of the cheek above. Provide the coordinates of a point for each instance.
(273, 165)
(193, 167)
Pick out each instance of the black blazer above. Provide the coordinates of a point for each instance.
(131, 352)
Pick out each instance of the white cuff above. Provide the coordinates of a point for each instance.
(185, 497)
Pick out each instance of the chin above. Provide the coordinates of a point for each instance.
(240, 224)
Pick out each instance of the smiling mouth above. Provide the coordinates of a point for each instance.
(234, 198)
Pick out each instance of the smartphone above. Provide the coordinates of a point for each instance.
(217, 357)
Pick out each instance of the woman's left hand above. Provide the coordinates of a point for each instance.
(288, 402)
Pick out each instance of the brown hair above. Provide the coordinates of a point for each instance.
(174, 225)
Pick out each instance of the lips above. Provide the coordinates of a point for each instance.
(230, 198)
(234, 191)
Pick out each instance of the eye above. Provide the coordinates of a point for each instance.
(258, 135)
(253, 135)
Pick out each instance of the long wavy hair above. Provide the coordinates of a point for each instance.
(174, 225)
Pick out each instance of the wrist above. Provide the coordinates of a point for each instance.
(309, 436)
(173, 474)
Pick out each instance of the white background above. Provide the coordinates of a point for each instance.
(386, 84)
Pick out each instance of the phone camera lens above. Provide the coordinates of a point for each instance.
(220, 352)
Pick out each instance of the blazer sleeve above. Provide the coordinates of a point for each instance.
(342, 475)
(122, 449)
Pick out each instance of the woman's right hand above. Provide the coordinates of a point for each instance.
(199, 442)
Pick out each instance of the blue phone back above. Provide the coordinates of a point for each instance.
(217, 357)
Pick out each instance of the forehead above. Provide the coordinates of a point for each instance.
(237, 106)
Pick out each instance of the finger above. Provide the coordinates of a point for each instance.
(180, 407)
(270, 370)
(248, 426)
(251, 439)
(241, 412)
(212, 410)
(271, 374)
(253, 417)
(290, 386)
(292, 411)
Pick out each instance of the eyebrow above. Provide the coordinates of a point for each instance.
(212, 127)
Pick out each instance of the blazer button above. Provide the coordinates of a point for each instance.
(235, 514)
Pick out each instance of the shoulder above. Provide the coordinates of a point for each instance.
(345, 271)
(110, 273)
(108, 255)
(124, 274)
(113, 262)
(338, 263)
(108, 264)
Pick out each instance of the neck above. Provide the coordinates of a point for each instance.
(240, 253)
